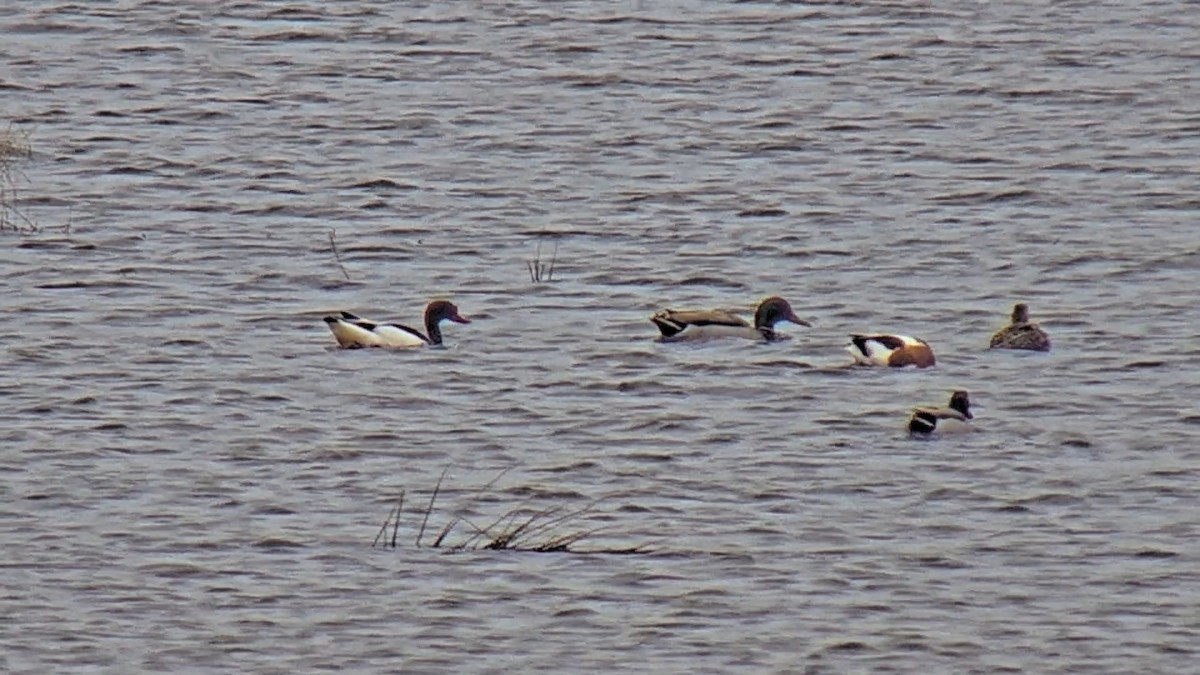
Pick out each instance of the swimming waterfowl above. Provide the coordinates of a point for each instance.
(353, 332)
(954, 417)
(1021, 333)
(890, 350)
(683, 325)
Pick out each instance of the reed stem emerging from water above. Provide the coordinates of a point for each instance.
(336, 254)
(522, 528)
(539, 271)
(14, 149)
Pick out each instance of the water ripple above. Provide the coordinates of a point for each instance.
(190, 460)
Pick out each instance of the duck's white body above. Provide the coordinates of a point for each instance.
(353, 332)
(890, 351)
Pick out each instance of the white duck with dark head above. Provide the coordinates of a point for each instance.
(353, 332)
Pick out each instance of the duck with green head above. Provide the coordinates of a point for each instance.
(954, 417)
(690, 325)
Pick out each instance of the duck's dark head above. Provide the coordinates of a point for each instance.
(443, 310)
(962, 403)
(773, 310)
(1020, 313)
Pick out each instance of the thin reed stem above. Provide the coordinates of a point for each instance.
(538, 270)
(382, 529)
(396, 522)
(553, 257)
(337, 254)
(437, 543)
(522, 528)
(436, 489)
(392, 519)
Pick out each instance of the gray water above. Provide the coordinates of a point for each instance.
(191, 475)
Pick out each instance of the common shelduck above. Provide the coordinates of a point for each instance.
(353, 332)
(890, 350)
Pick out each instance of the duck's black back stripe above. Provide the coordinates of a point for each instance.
(889, 341)
(666, 326)
(922, 422)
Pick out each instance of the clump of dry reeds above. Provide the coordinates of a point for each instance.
(539, 271)
(14, 149)
(522, 528)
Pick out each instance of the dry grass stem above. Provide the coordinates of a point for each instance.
(523, 528)
(393, 519)
(337, 254)
(550, 523)
(396, 520)
(539, 271)
(445, 531)
(482, 532)
(14, 149)
(433, 498)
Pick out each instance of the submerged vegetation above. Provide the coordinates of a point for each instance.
(538, 270)
(521, 528)
(14, 149)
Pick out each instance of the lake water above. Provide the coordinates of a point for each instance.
(191, 475)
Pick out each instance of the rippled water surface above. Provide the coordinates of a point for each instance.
(191, 475)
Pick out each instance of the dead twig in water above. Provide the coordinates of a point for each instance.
(450, 525)
(509, 535)
(336, 254)
(393, 519)
(551, 522)
(519, 529)
(396, 520)
(485, 531)
(14, 148)
(539, 271)
(437, 543)
(436, 489)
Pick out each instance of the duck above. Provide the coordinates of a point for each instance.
(893, 351)
(1021, 333)
(353, 332)
(687, 325)
(954, 417)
